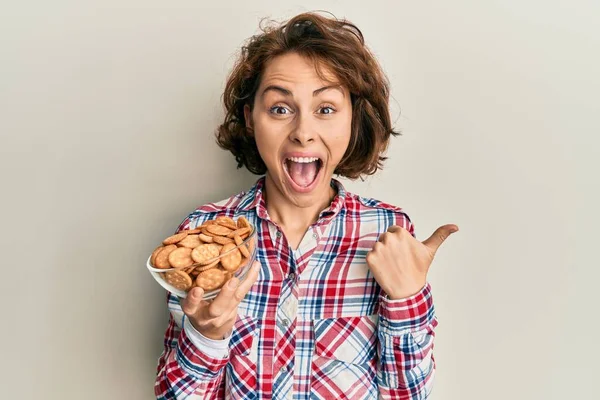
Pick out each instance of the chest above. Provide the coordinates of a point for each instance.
(326, 276)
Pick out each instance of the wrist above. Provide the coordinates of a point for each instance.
(406, 292)
(207, 333)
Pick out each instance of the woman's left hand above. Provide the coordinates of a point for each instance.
(400, 263)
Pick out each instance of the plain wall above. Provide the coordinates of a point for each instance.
(108, 111)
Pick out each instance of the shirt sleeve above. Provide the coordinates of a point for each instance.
(406, 333)
(210, 347)
(184, 369)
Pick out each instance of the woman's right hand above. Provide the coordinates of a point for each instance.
(215, 319)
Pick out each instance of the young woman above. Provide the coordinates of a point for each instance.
(337, 304)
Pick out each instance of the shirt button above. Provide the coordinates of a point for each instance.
(291, 276)
(315, 235)
(285, 322)
(278, 234)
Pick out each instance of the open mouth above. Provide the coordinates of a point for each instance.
(303, 171)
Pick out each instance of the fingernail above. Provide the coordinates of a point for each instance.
(233, 283)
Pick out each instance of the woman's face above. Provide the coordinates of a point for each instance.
(302, 127)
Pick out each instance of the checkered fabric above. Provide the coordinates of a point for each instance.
(316, 324)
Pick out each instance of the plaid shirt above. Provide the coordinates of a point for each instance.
(316, 323)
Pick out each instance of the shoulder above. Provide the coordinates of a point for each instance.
(369, 208)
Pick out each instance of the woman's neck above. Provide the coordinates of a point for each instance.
(290, 216)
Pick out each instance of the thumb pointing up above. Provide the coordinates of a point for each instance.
(438, 237)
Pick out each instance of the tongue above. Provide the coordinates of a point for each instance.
(303, 173)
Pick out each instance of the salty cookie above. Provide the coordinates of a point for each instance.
(154, 254)
(250, 245)
(239, 232)
(243, 249)
(204, 253)
(231, 258)
(181, 257)
(178, 279)
(242, 264)
(175, 238)
(207, 223)
(212, 279)
(205, 238)
(222, 240)
(218, 230)
(242, 222)
(203, 268)
(188, 270)
(162, 258)
(226, 222)
(191, 241)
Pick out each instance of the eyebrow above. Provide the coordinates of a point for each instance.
(288, 93)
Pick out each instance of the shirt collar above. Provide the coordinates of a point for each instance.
(254, 199)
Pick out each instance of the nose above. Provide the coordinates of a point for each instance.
(302, 133)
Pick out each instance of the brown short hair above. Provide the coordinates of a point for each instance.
(337, 44)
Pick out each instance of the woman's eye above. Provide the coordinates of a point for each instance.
(280, 110)
(327, 110)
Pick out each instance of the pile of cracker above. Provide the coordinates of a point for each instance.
(206, 256)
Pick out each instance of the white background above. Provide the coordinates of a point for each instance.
(107, 111)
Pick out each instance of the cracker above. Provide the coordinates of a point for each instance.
(205, 238)
(226, 222)
(194, 231)
(162, 258)
(154, 254)
(189, 270)
(205, 232)
(191, 241)
(250, 245)
(205, 253)
(239, 232)
(243, 262)
(242, 247)
(181, 257)
(203, 268)
(218, 230)
(222, 240)
(231, 258)
(211, 279)
(175, 238)
(178, 279)
(242, 222)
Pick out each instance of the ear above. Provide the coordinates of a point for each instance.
(248, 119)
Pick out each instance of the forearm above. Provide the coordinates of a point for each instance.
(187, 367)
(406, 335)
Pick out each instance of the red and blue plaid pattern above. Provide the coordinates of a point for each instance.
(315, 325)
